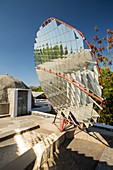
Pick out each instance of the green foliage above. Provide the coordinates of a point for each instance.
(107, 81)
(36, 89)
(56, 51)
(66, 50)
(102, 48)
(61, 50)
(49, 52)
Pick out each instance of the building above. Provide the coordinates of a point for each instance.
(15, 97)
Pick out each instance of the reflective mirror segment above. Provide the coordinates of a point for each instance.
(66, 70)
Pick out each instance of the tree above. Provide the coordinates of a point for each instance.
(103, 52)
(103, 49)
(66, 50)
(61, 50)
(107, 81)
(37, 89)
(56, 51)
(37, 56)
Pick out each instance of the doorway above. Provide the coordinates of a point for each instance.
(22, 102)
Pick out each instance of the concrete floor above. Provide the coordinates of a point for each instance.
(86, 151)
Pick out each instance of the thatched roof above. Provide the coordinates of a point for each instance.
(6, 82)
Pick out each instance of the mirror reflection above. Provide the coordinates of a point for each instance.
(60, 48)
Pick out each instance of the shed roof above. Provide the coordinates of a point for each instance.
(36, 94)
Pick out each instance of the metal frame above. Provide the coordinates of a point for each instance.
(70, 80)
(74, 82)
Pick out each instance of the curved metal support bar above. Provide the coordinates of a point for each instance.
(74, 82)
(69, 26)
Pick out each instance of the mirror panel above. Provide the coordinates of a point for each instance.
(60, 48)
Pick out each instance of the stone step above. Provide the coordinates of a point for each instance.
(106, 160)
(11, 148)
(75, 154)
(38, 155)
(90, 136)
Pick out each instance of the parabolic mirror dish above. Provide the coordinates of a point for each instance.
(66, 70)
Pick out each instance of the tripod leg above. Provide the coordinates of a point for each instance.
(55, 117)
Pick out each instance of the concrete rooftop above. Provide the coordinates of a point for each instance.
(82, 151)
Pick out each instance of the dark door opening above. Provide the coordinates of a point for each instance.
(22, 102)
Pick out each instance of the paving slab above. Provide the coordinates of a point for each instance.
(13, 124)
(88, 150)
(17, 135)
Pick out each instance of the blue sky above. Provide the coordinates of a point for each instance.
(20, 20)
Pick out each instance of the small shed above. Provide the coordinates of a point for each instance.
(38, 95)
(9, 82)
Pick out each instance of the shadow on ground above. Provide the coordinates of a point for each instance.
(108, 138)
(7, 154)
(78, 159)
(78, 154)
